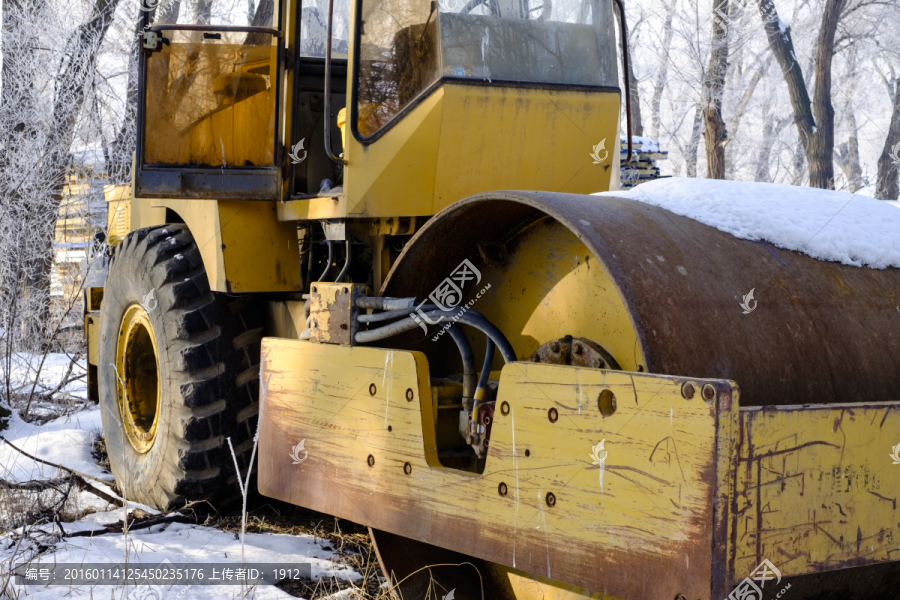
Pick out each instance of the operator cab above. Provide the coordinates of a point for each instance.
(233, 105)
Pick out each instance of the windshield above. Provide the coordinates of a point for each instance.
(407, 45)
(541, 41)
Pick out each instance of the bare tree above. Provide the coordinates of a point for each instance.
(714, 90)
(814, 119)
(886, 184)
(663, 70)
(739, 112)
(694, 143)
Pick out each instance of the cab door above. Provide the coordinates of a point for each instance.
(209, 102)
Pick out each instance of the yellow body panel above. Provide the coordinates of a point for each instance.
(694, 491)
(816, 486)
(243, 245)
(558, 287)
(644, 496)
(483, 138)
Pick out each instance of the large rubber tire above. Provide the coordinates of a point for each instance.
(208, 348)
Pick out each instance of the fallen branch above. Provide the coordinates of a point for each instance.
(33, 485)
(133, 525)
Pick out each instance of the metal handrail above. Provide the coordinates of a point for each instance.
(327, 119)
(625, 74)
(216, 28)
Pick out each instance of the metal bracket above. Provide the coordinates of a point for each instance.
(332, 311)
(335, 230)
(153, 42)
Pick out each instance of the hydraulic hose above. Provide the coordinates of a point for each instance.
(478, 322)
(330, 258)
(404, 312)
(482, 381)
(468, 359)
(346, 265)
(486, 367)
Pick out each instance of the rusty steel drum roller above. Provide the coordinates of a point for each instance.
(660, 293)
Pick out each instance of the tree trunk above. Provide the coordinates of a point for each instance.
(814, 119)
(663, 71)
(771, 130)
(119, 153)
(797, 164)
(202, 12)
(739, 115)
(886, 185)
(714, 90)
(847, 154)
(71, 85)
(690, 160)
(637, 122)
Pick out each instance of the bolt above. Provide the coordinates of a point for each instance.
(553, 415)
(472, 439)
(487, 421)
(409, 395)
(709, 392)
(315, 290)
(577, 349)
(687, 390)
(372, 390)
(502, 488)
(554, 347)
(345, 290)
(535, 357)
(371, 460)
(504, 408)
(407, 468)
(551, 499)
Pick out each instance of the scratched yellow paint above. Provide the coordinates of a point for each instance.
(650, 500)
(816, 487)
(243, 245)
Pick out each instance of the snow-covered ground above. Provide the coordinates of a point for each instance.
(52, 370)
(181, 544)
(65, 441)
(837, 226)
(68, 441)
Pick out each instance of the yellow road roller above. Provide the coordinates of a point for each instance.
(365, 229)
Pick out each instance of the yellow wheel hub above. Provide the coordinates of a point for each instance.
(137, 371)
